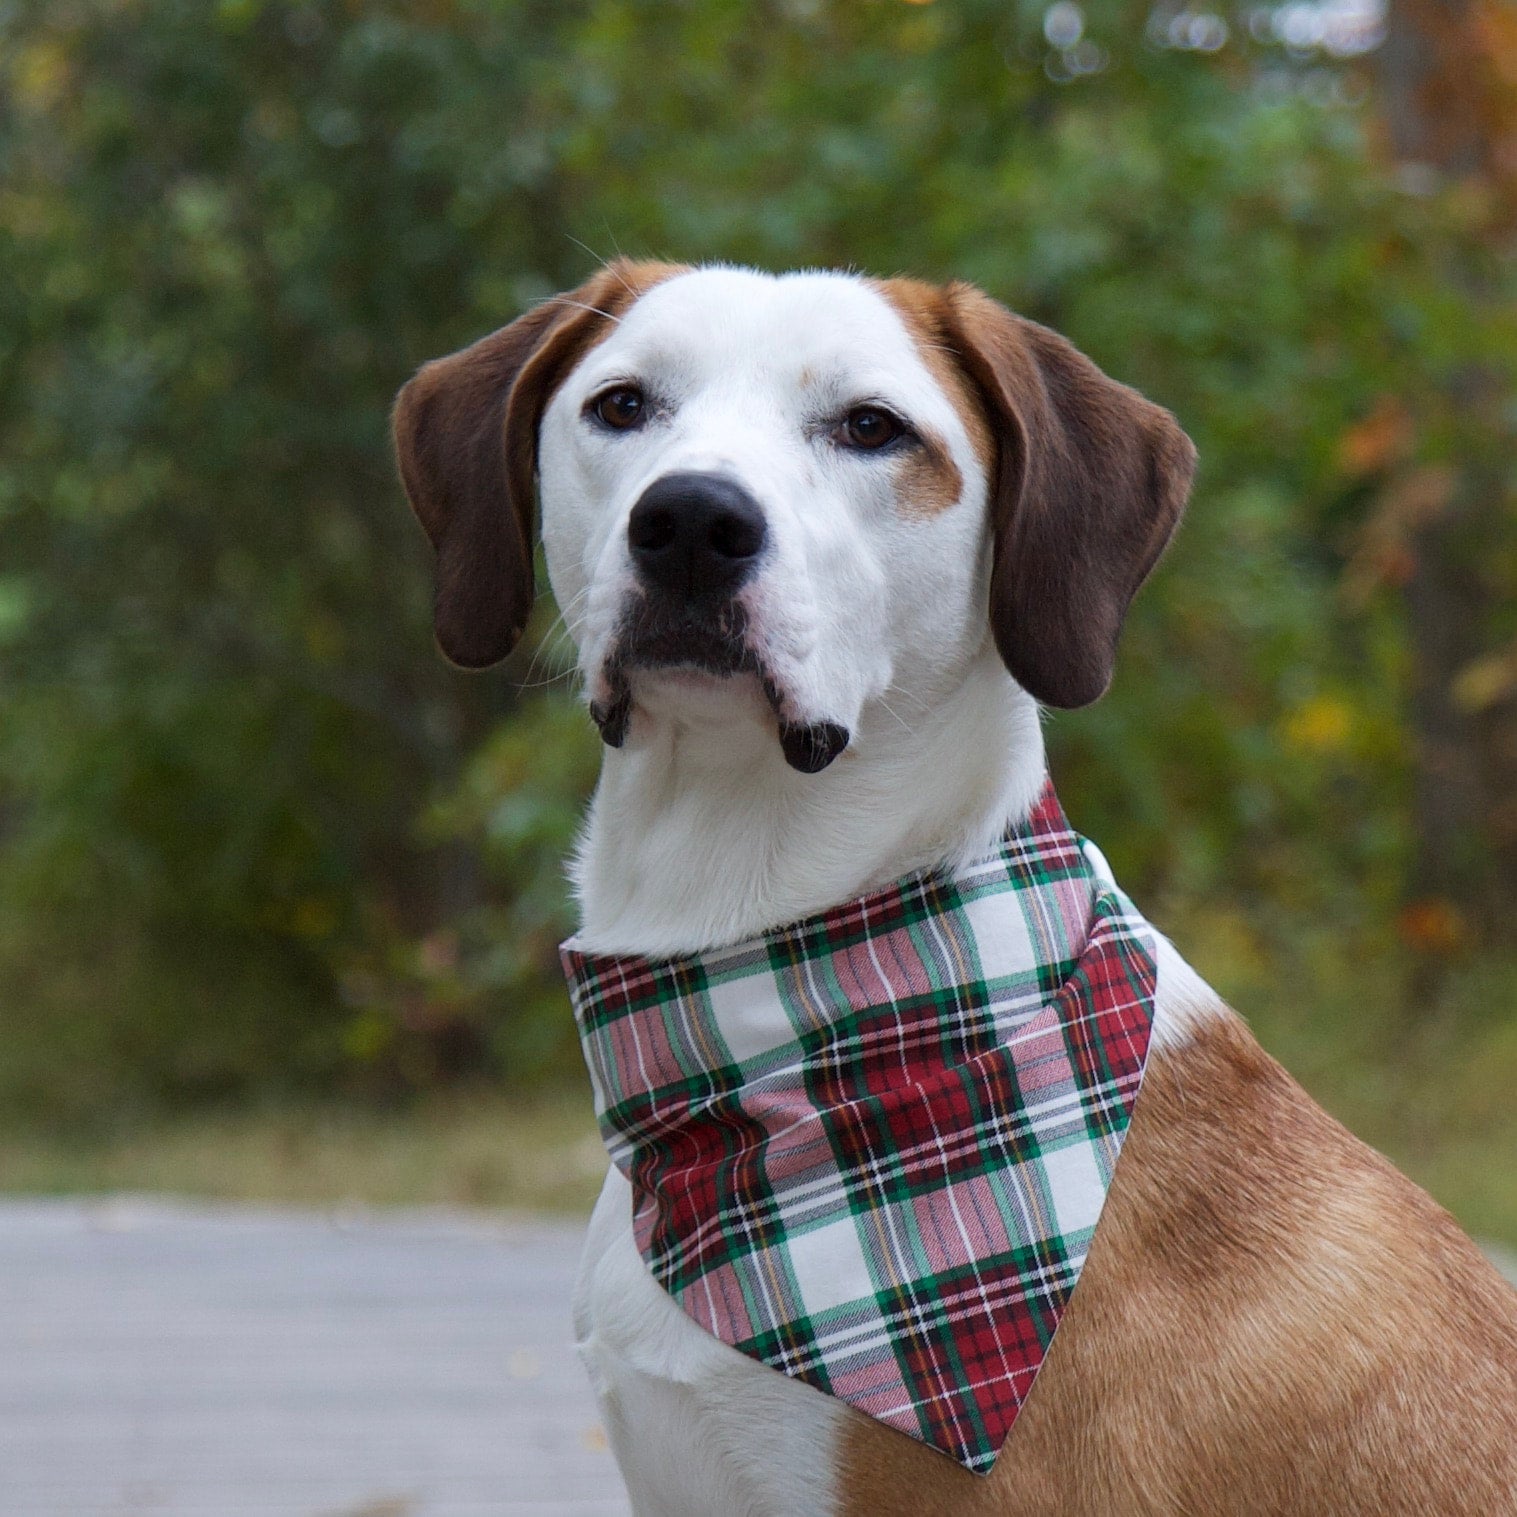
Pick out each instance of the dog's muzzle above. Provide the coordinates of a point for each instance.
(695, 539)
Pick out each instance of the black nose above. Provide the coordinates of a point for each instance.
(695, 534)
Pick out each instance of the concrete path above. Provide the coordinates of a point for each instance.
(168, 1360)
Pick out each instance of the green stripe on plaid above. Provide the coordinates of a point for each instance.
(871, 1148)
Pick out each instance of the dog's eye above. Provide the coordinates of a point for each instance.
(621, 408)
(869, 428)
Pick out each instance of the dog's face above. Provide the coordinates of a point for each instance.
(800, 493)
(761, 478)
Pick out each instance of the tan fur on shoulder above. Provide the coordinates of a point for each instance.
(1272, 1321)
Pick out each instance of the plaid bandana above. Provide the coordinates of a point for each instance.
(871, 1148)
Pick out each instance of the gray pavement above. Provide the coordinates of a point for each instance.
(161, 1359)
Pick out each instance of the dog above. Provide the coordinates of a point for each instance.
(825, 544)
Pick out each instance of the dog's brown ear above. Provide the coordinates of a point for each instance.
(1088, 486)
(466, 441)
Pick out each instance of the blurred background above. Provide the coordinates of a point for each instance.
(280, 891)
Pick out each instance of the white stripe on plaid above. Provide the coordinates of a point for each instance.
(871, 1148)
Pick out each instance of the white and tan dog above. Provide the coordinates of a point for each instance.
(824, 543)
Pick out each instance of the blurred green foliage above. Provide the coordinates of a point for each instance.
(254, 835)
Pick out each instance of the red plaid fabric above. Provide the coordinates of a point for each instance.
(871, 1148)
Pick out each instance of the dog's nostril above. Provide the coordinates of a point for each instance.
(653, 530)
(734, 535)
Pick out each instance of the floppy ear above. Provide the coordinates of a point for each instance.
(1088, 486)
(466, 442)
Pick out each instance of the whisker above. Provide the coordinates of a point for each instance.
(909, 730)
(550, 645)
(612, 236)
(918, 701)
(600, 258)
(579, 305)
(605, 262)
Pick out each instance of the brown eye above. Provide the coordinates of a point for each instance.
(869, 428)
(622, 408)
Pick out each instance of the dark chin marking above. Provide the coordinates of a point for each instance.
(650, 643)
(811, 748)
(612, 719)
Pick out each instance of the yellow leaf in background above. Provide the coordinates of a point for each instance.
(40, 75)
(1323, 724)
(1224, 939)
(1489, 679)
(367, 1036)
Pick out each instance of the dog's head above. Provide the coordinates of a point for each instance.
(799, 491)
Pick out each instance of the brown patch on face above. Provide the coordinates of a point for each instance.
(466, 443)
(927, 480)
(924, 309)
(1272, 1321)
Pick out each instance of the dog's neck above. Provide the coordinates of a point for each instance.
(700, 834)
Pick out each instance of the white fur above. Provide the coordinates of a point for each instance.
(697, 1427)
(867, 615)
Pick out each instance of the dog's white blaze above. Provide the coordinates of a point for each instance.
(869, 615)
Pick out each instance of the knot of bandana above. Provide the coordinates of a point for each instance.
(870, 1148)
